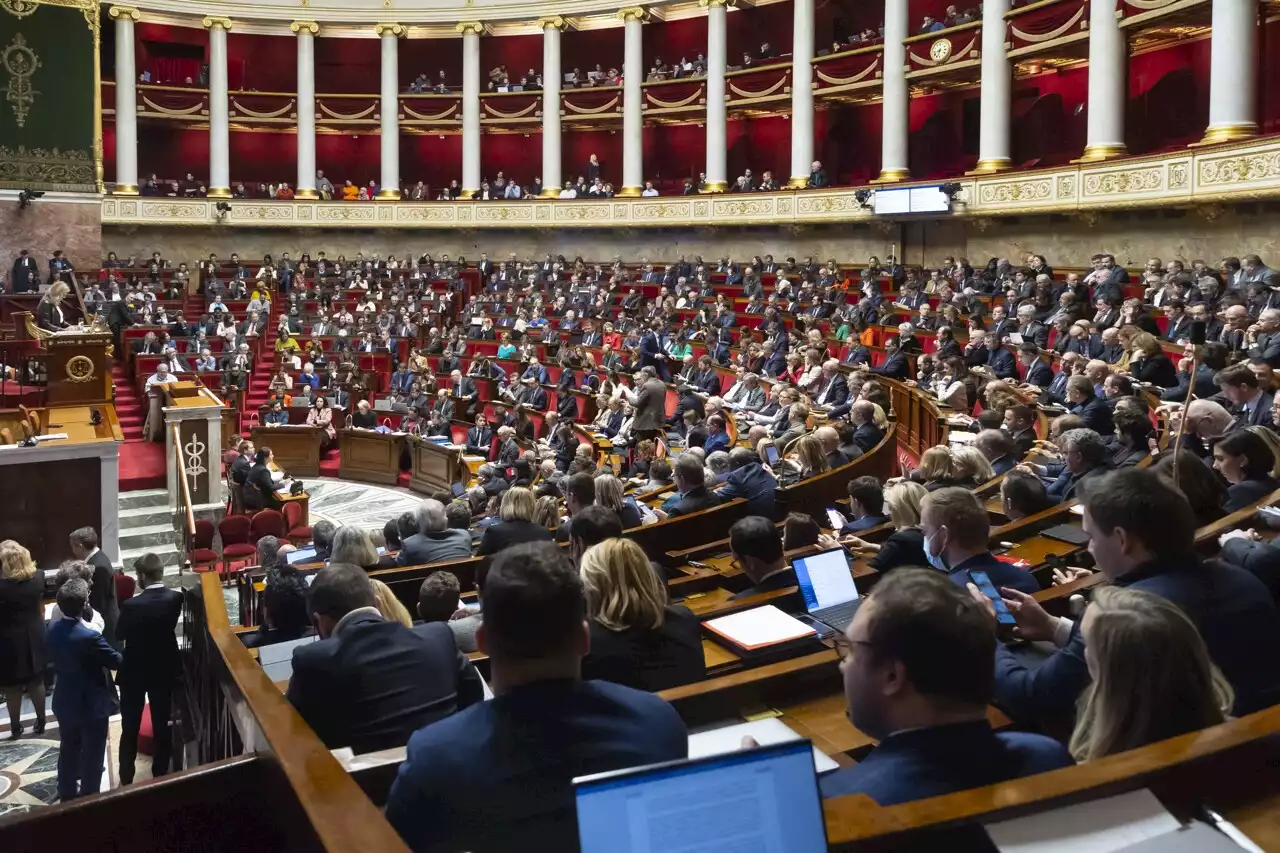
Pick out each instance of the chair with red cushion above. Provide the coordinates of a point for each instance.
(299, 533)
(267, 522)
(126, 585)
(202, 555)
(236, 547)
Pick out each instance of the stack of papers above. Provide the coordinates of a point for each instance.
(759, 627)
(765, 732)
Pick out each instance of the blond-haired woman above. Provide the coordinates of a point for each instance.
(970, 467)
(516, 522)
(609, 495)
(22, 651)
(809, 461)
(49, 314)
(905, 547)
(637, 638)
(1149, 364)
(352, 545)
(937, 468)
(1152, 675)
(389, 606)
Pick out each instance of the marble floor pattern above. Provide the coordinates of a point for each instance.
(362, 505)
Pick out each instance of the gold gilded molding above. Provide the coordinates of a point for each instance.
(476, 27)
(307, 26)
(393, 29)
(18, 8)
(1229, 133)
(707, 4)
(640, 13)
(69, 171)
(124, 12)
(21, 62)
(212, 22)
(557, 21)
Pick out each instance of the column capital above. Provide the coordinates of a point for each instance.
(121, 12)
(211, 22)
(640, 13)
(307, 26)
(707, 4)
(393, 29)
(560, 22)
(468, 27)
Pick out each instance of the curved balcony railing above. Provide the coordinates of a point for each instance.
(945, 52)
(1048, 25)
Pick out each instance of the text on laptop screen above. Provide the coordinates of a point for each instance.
(756, 800)
(825, 580)
(302, 555)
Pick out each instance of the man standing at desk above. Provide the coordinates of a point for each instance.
(102, 595)
(154, 427)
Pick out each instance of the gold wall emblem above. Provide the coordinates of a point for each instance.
(80, 368)
(21, 62)
(18, 8)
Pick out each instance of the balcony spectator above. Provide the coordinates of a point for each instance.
(930, 25)
(284, 192)
(323, 186)
(363, 195)
(689, 188)
(350, 192)
(238, 191)
(766, 182)
(373, 189)
(442, 83)
(747, 61)
(949, 18)
(189, 186)
(817, 175)
(568, 191)
(649, 191)
(419, 192)
(145, 76)
(513, 190)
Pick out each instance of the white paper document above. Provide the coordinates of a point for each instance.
(759, 627)
(766, 733)
(1100, 826)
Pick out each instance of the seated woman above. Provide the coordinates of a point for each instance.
(515, 523)
(285, 614)
(363, 417)
(971, 468)
(609, 495)
(637, 638)
(906, 546)
(1245, 459)
(937, 469)
(799, 531)
(1202, 488)
(810, 461)
(1152, 675)
(352, 545)
(1133, 429)
(261, 481)
(1149, 364)
(506, 349)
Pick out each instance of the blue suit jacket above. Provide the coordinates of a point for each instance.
(81, 658)
(497, 775)
(1040, 375)
(1001, 574)
(941, 760)
(1233, 610)
(895, 367)
(753, 483)
(865, 523)
(719, 441)
(1002, 364)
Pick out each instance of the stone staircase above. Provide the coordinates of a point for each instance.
(147, 526)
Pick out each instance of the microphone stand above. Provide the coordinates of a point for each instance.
(1186, 404)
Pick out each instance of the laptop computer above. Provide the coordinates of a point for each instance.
(772, 792)
(826, 582)
(302, 555)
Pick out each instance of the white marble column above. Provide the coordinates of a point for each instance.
(717, 53)
(633, 19)
(126, 102)
(895, 119)
(551, 78)
(1108, 83)
(390, 107)
(801, 94)
(471, 31)
(306, 184)
(219, 185)
(996, 101)
(1233, 86)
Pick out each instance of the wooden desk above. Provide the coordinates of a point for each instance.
(370, 456)
(435, 466)
(296, 448)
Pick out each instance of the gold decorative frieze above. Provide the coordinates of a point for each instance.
(1198, 177)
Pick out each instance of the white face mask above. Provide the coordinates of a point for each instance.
(935, 560)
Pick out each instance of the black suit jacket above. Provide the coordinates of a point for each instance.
(102, 596)
(694, 500)
(146, 631)
(374, 683)
(867, 436)
(648, 659)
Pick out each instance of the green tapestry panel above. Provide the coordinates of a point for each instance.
(48, 58)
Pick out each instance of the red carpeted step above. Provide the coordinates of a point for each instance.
(142, 465)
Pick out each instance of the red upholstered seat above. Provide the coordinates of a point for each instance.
(126, 585)
(299, 533)
(146, 735)
(267, 522)
(201, 554)
(236, 547)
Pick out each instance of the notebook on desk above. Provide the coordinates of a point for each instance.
(759, 629)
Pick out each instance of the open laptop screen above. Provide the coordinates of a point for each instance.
(825, 580)
(753, 799)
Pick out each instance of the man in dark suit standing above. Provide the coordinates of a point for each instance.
(102, 595)
(479, 438)
(85, 699)
(369, 683)
(747, 479)
(146, 632)
(463, 391)
(648, 398)
(26, 273)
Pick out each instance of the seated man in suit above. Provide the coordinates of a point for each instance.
(895, 364)
(434, 541)
(997, 446)
(717, 437)
(85, 698)
(1000, 360)
(832, 388)
(1020, 421)
(151, 665)
(1085, 455)
(756, 545)
(370, 683)
(866, 504)
(830, 441)
(956, 533)
(867, 434)
(748, 479)
(1039, 371)
(468, 782)
(1142, 536)
(917, 675)
(690, 479)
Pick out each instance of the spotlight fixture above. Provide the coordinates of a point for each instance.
(223, 209)
(27, 196)
(951, 189)
(863, 197)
